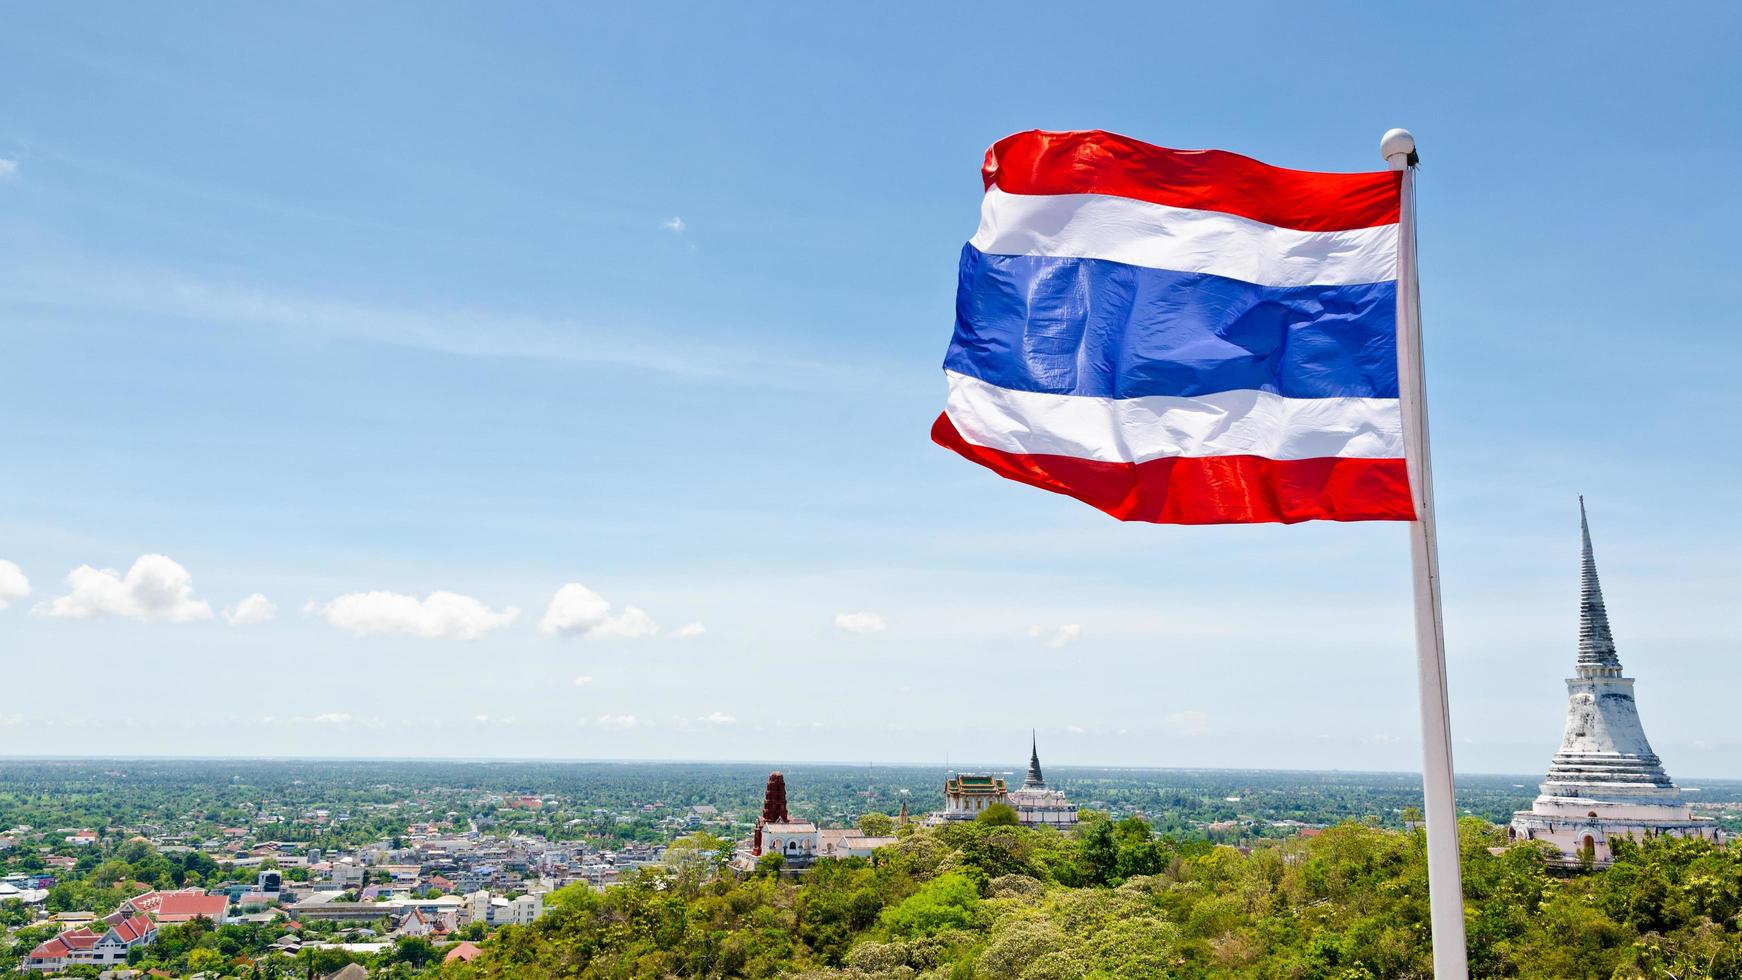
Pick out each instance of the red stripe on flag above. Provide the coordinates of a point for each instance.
(1209, 489)
(1096, 162)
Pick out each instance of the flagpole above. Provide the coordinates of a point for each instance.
(1445, 890)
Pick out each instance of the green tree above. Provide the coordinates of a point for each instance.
(413, 951)
(1100, 852)
(951, 901)
(770, 865)
(998, 815)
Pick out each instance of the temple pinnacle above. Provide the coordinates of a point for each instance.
(1034, 780)
(1596, 644)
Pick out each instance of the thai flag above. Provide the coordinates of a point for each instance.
(1181, 336)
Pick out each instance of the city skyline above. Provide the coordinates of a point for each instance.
(569, 399)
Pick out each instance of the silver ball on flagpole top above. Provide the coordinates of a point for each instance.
(1397, 146)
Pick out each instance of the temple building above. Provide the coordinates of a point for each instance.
(967, 795)
(776, 832)
(799, 842)
(1035, 804)
(1605, 782)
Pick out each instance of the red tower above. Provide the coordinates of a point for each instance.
(773, 808)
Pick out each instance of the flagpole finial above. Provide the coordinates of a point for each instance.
(1397, 146)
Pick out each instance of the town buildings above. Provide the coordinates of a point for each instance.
(1605, 782)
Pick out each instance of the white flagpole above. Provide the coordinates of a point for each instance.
(1445, 889)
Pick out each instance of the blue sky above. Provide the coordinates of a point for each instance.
(332, 300)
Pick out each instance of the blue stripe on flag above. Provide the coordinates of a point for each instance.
(1106, 329)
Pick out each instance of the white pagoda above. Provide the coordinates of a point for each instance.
(1035, 804)
(1605, 782)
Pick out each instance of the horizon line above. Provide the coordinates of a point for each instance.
(523, 760)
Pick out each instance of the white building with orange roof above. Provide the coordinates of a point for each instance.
(87, 947)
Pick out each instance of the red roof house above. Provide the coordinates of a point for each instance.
(185, 905)
(82, 945)
(188, 906)
(463, 953)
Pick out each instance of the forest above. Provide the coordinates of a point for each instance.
(1114, 901)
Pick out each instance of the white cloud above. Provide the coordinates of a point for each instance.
(677, 226)
(13, 584)
(325, 718)
(576, 610)
(8, 168)
(254, 609)
(631, 622)
(155, 588)
(1074, 729)
(861, 622)
(440, 616)
(583, 680)
(718, 718)
(688, 631)
(617, 721)
(1056, 636)
(1189, 723)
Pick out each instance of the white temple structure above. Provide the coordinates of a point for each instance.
(1605, 782)
(967, 795)
(1035, 804)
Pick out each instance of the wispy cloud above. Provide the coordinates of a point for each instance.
(8, 168)
(679, 228)
(326, 719)
(688, 631)
(1055, 637)
(861, 622)
(434, 326)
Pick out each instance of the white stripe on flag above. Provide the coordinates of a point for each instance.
(1132, 430)
(1119, 229)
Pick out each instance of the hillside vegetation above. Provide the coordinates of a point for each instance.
(1112, 901)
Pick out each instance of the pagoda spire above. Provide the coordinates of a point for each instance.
(1596, 643)
(1034, 780)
